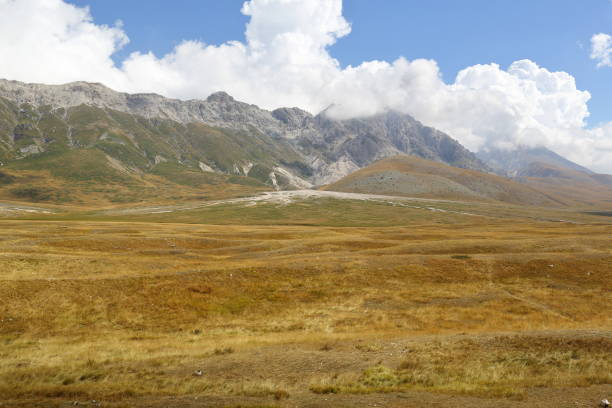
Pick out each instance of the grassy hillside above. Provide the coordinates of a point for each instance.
(89, 177)
(412, 176)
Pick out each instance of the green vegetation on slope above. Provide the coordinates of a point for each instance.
(70, 149)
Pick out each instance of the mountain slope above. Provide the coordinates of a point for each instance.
(413, 176)
(68, 147)
(137, 141)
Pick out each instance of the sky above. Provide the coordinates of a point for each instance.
(491, 73)
(554, 33)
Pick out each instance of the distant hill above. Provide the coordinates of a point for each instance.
(572, 187)
(550, 173)
(413, 176)
(516, 162)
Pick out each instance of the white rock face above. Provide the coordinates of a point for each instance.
(160, 159)
(31, 149)
(295, 181)
(328, 173)
(206, 168)
(274, 181)
(246, 168)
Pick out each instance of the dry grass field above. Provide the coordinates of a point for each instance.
(440, 311)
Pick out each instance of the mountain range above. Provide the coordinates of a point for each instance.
(321, 149)
(84, 135)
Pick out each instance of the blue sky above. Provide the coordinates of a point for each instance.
(457, 34)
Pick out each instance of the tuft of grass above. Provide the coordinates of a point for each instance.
(461, 257)
(325, 389)
(223, 351)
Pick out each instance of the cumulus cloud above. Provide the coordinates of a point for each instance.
(285, 61)
(53, 42)
(601, 49)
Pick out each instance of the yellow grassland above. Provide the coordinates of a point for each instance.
(480, 313)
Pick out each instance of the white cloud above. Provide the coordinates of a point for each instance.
(285, 62)
(51, 41)
(601, 49)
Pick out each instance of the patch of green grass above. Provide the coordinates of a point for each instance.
(186, 176)
(245, 181)
(6, 178)
(127, 155)
(38, 194)
(261, 173)
(74, 165)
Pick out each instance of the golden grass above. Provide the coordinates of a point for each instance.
(119, 311)
(499, 366)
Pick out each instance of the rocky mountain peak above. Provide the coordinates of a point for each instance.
(220, 97)
(292, 117)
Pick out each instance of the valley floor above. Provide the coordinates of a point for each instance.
(388, 306)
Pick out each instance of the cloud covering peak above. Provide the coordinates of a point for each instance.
(285, 61)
